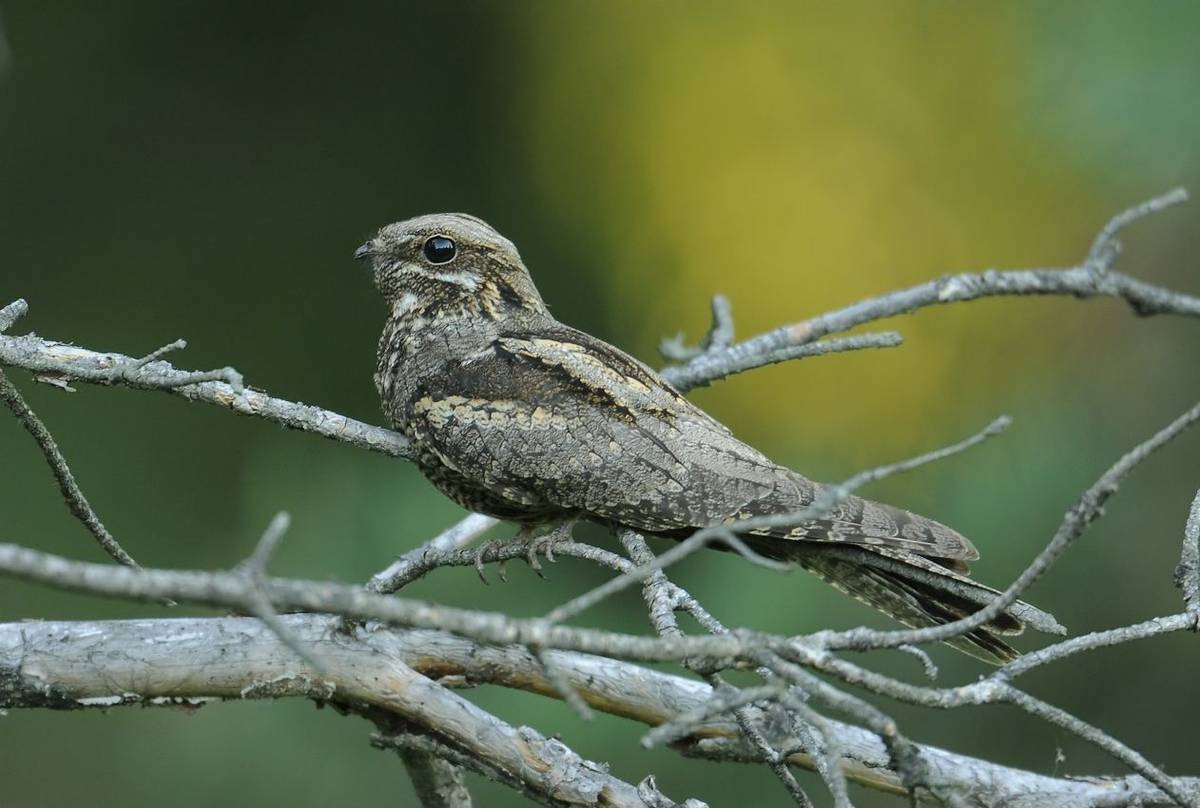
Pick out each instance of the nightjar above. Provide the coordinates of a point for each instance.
(521, 417)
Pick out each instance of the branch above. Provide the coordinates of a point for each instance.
(239, 658)
(421, 559)
(1093, 277)
(1088, 508)
(794, 659)
(717, 359)
(438, 781)
(57, 359)
(103, 664)
(1187, 574)
(662, 602)
(727, 534)
(77, 503)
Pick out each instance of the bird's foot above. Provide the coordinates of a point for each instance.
(535, 545)
(479, 563)
(501, 563)
(545, 544)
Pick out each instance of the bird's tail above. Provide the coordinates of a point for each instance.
(917, 591)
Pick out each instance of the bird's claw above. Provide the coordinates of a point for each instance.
(545, 545)
(534, 546)
(479, 565)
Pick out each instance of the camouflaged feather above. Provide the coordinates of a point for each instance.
(519, 416)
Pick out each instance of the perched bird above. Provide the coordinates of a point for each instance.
(521, 417)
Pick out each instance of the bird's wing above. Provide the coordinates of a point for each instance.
(569, 420)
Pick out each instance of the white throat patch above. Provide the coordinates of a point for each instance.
(406, 303)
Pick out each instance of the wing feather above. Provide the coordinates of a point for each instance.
(573, 423)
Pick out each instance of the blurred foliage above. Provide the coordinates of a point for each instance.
(205, 169)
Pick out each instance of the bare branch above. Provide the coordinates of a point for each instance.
(709, 368)
(1106, 248)
(720, 721)
(77, 503)
(130, 373)
(435, 769)
(1187, 574)
(256, 564)
(727, 534)
(688, 723)
(1081, 281)
(423, 558)
(68, 361)
(59, 665)
(1098, 639)
(232, 590)
(663, 598)
(1083, 513)
(11, 313)
(720, 334)
(254, 571)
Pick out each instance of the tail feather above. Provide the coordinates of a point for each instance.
(918, 592)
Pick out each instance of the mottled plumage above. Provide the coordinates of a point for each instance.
(527, 419)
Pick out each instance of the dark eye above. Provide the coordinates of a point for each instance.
(439, 250)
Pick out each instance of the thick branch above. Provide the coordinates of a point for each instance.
(196, 659)
(72, 665)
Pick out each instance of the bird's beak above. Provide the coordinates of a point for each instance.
(365, 251)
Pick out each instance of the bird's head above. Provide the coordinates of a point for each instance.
(449, 264)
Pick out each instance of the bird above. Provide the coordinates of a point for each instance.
(519, 416)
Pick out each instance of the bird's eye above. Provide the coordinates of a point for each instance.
(439, 250)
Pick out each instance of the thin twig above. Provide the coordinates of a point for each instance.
(826, 751)
(1106, 248)
(992, 690)
(77, 503)
(698, 374)
(683, 549)
(130, 372)
(905, 756)
(687, 723)
(256, 564)
(829, 499)
(258, 602)
(423, 558)
(1076, 521)
(1153, 627)
(663, 598)
(1081, 281)
(1103, 740)
(565, 690)
(719, 335)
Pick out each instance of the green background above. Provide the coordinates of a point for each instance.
(205, 170)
